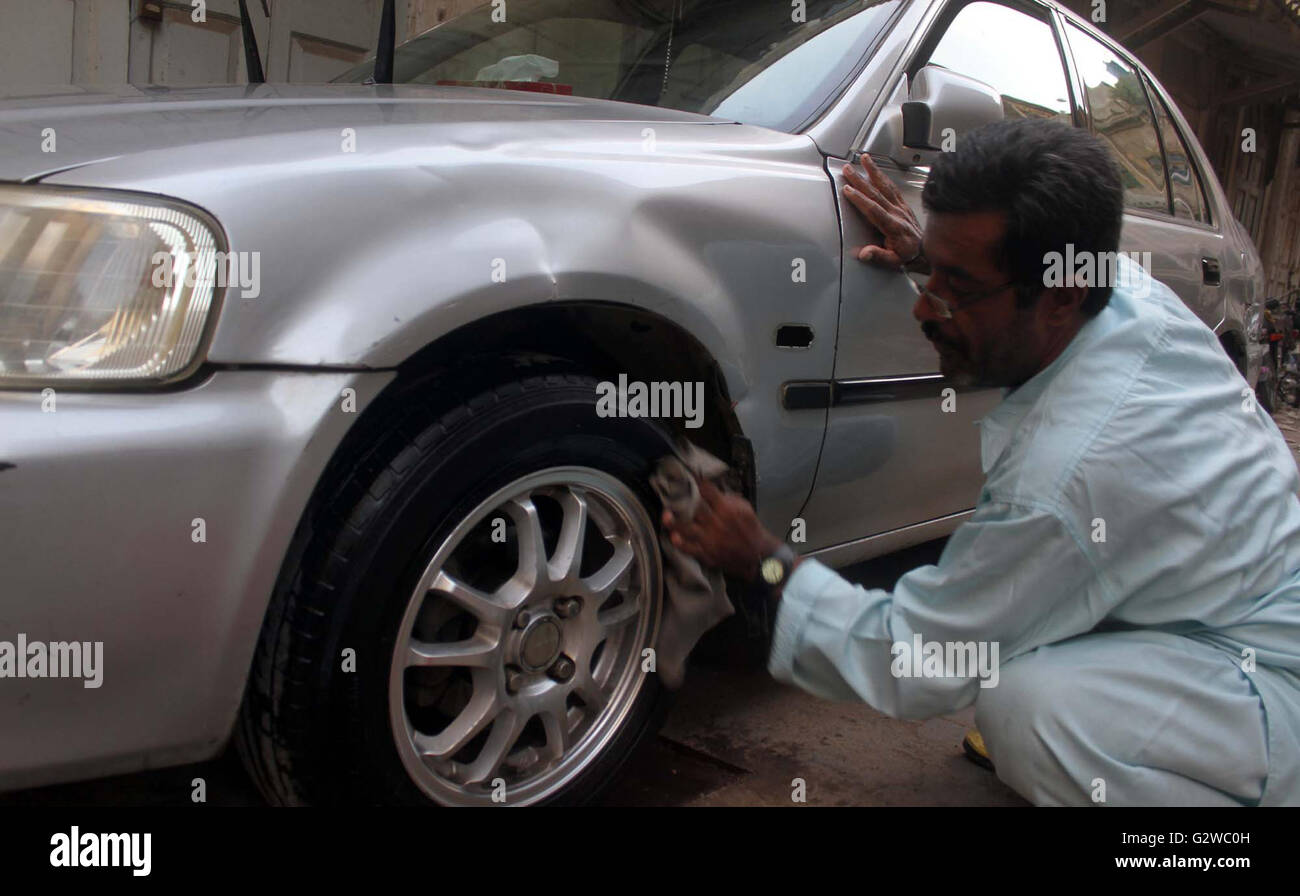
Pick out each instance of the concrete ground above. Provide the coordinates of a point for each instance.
(734, 737)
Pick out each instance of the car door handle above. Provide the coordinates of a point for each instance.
(1210, 271)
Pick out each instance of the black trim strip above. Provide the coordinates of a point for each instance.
(804, 395)
(887, 388)
(297, 368)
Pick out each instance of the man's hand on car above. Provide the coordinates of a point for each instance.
(724, 534)
(876, 197)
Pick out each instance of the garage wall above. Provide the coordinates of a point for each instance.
(89, 42)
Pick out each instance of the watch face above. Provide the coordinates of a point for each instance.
(773, 570)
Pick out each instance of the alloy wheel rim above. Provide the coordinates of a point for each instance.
(520, 653)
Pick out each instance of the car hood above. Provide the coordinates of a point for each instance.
(41, 134)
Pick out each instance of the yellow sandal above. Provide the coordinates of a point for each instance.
(973, 746)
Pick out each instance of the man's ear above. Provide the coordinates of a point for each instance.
(1062, 303)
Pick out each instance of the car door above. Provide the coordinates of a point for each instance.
(902, 445)
(1213, 251)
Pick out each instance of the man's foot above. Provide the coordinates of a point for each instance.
(973, 746)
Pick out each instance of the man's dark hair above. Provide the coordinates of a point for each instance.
(1056, 184)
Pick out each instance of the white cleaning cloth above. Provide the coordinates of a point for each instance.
(695, 598)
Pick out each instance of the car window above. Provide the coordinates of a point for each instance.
(765, 62)
(1031, 77)
(582, 53)
(1121, 116)
(769, 92)
(1184, 179)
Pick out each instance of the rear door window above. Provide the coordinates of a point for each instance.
(1184, 179)
(1122, 117)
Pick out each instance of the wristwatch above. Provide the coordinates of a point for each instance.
(775, 568)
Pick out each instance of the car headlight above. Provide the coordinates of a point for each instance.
(102, 288)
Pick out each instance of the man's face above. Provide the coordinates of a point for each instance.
(989, 341)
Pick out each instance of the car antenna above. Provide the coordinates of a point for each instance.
(387, 45)
(252, 59)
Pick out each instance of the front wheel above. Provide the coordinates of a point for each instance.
(496, 576)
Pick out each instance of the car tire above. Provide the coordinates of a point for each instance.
(426, 559)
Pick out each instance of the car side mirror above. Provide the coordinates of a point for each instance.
(939, 108)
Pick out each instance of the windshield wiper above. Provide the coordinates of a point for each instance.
(252, 59)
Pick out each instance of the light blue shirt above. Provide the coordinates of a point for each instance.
(1133, 482)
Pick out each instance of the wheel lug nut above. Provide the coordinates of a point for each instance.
(562, 669)
(567, 607)
(514, 679)
(522, 618)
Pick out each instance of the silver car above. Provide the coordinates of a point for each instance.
(301, 427)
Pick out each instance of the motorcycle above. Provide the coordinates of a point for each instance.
(1277, 382)
(1288, 383)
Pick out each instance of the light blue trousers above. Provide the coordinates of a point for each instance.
(1133, 718)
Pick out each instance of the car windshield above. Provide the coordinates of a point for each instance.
(766, 62)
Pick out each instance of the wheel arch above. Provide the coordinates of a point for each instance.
(601, 339)
(1235, 345)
